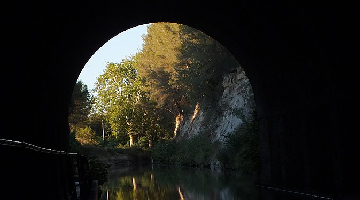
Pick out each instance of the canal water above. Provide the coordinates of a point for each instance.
(170, 183)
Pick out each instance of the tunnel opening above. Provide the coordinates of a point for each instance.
(181, 74)
(299, 57)
(182, 92)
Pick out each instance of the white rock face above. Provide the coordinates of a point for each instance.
(234, 106)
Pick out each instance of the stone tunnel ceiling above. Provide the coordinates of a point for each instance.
(299, 59)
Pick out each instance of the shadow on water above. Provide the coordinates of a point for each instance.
(162, 183)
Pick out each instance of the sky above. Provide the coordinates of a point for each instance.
(115, 50)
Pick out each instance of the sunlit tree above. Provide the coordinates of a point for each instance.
(182, 67)
(124, 103)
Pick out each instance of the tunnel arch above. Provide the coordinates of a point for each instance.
(247, 97)
(277, 102)
(299, 57)
(251, 45)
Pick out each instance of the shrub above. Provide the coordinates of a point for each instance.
(98, 170)
(196, 151)
(241, 150)
(164, 151)
(140, 155)
(86, 135)
(74, 145)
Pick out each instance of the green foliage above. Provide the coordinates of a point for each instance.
(119, 85)
(196, 151)
(110, 141)
(241, 150)
(165, 151)
(79, 110)
(157, 61)
(85, 135)
(74, 145)
(80, 105)
(98, 170)
(98, 123)
(140, 97)
(183, 66)
(124, 104)
(202, 63)
(139, 154)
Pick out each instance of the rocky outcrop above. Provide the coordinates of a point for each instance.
(234, 108)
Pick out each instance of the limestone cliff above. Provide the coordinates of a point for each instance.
(234, 107)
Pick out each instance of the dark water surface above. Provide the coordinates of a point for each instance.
(169, 183)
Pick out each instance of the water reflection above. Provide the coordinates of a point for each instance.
(176, 184)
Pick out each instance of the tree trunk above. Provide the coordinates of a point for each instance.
(103, 129)
(178, 120)
(131, 139)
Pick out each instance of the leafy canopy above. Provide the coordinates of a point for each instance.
(183, 66)
(122, 99)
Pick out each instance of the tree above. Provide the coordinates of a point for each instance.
(80, 105)
(124, 103)
(156, 63)
(79, 111)
(201, 66)
(179, 67)
(182, 67)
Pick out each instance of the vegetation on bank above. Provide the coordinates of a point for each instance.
(138, 100)
(136, 103)
(241, 149)
(239, 152)
(98, 170)
(197, 151)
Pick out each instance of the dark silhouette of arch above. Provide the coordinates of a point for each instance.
(299, 57)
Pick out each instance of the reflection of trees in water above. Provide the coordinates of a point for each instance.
(139, 187)
(162, 184)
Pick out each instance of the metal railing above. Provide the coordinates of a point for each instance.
(15, 143)
(289, 191)
(81, 178)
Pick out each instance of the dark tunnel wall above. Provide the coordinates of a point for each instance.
(300, 59)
